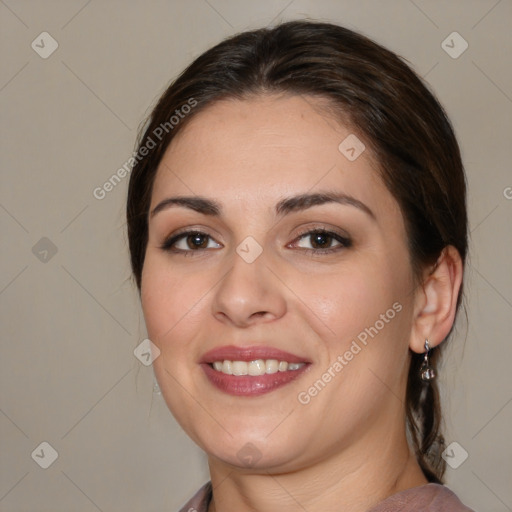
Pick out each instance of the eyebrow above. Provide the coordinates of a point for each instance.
(198, 204)
(305, 201)
(283, 207)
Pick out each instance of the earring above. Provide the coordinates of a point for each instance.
(156, 388)
(427, 371)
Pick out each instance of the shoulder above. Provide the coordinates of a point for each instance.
(425, 498)
(200, 501)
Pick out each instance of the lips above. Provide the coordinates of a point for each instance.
(251, 385)
(233, 353)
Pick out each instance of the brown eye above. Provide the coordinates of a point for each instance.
(190, 241)
(321, 240)
(197, 241)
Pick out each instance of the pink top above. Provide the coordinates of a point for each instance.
(425, 498)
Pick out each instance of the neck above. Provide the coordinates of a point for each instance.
(337, 482)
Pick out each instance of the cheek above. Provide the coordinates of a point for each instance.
(169, 300)
(348, 301)
(363, 315)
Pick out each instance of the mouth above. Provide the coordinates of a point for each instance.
(250, 371)
(255, 368)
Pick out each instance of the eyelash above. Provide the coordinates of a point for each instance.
(344, 242)
(169, 243)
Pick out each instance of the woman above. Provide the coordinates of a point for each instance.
(297, 228)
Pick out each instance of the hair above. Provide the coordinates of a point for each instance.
(377, 94)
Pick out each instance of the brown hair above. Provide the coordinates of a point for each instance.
(375, 92)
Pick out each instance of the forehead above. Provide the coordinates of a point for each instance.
(264, 147)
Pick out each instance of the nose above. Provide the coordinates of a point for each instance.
(249, 294)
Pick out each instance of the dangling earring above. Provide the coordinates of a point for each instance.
(156, 388)
(427, 371)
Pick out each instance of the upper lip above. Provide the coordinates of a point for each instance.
(251, 353)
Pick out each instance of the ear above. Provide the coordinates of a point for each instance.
(436, 301)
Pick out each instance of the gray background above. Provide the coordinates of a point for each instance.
(71, 320)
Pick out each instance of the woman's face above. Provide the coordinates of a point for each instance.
(272, 243)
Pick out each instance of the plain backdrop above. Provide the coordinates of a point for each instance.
(70, 313)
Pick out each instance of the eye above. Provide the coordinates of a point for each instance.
(190, 241)
(321, 241)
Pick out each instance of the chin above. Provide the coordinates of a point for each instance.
(254, 456)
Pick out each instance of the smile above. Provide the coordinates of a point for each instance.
(251, 370)
(255, 368)
(252, 385)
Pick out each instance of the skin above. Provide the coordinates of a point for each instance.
(346, 449)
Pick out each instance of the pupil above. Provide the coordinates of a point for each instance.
(320, 240)
(197, 241)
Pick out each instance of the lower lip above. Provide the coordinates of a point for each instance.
(246, 385)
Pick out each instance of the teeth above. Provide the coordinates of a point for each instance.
(271, 366)
(239, 368)
(255, 368)
(227, 367)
